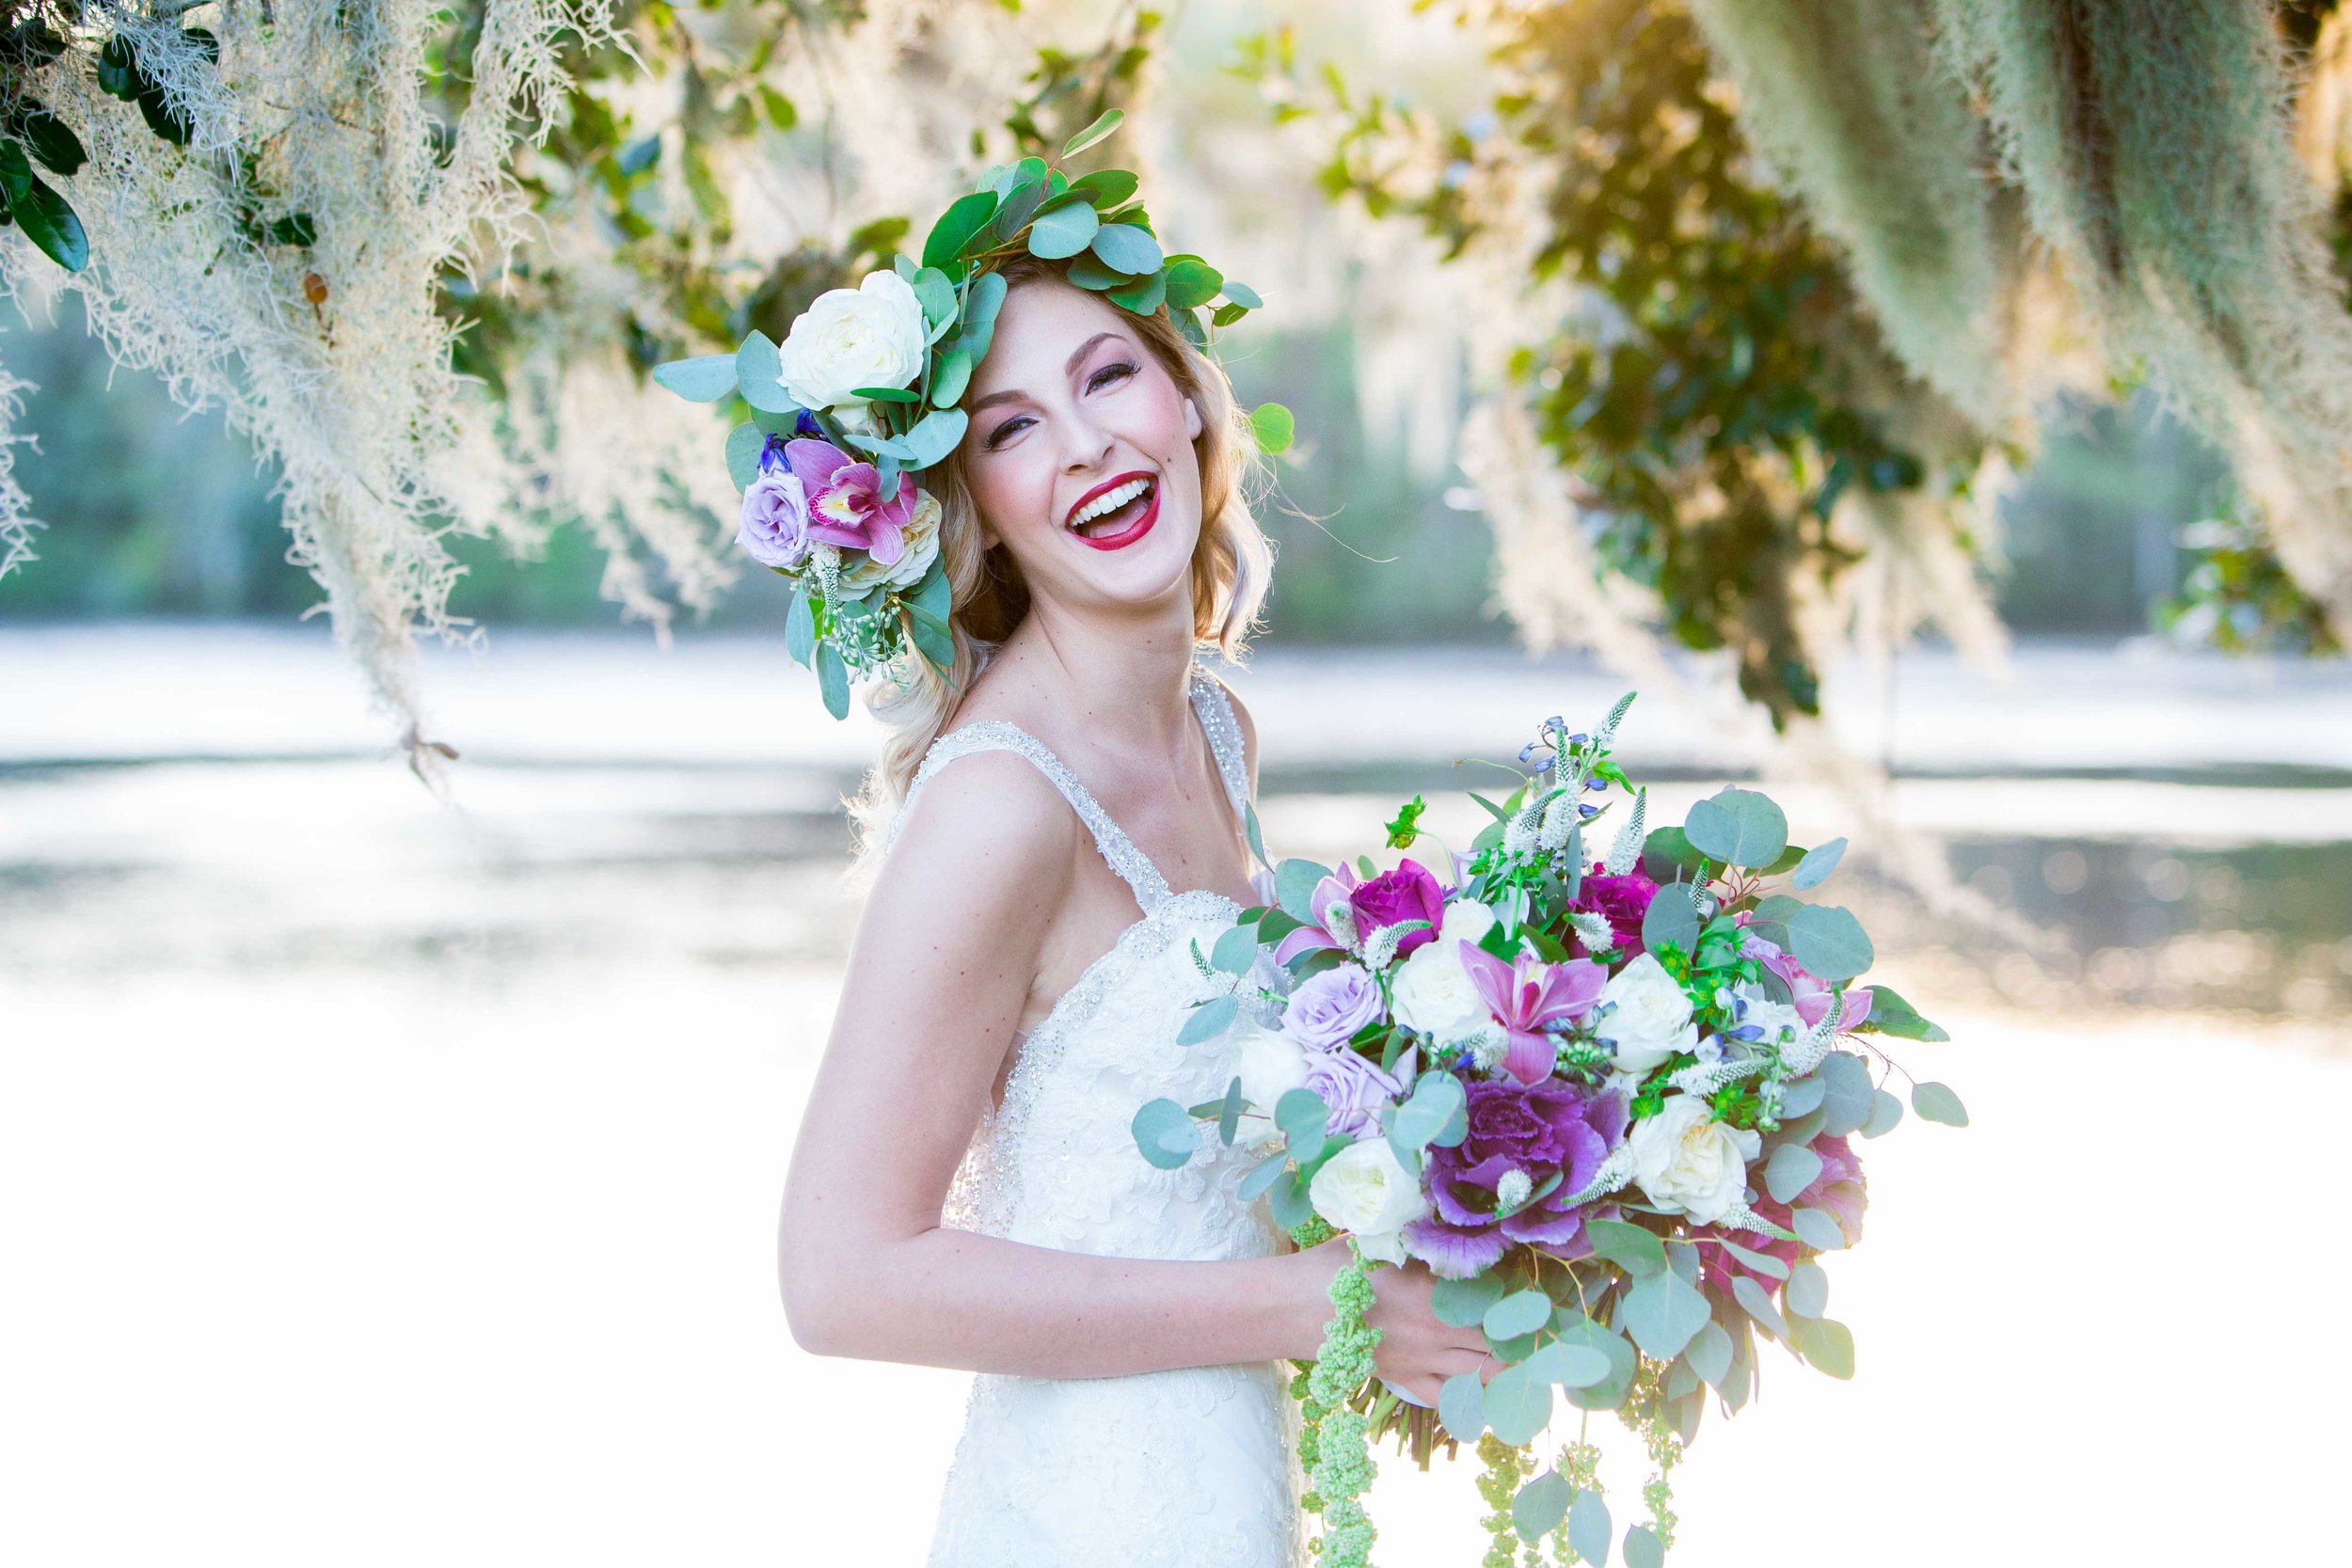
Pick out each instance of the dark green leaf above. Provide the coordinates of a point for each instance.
(119, 70)
(1104, 188)
(51, 225)
(1143, 297)
(1667, 856)
(966, 216)
(1191, 282)
(52, 142)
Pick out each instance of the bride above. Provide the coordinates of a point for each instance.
(1062, 819)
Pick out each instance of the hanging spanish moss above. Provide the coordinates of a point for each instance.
(2155, 146)
(1849, 100)
(17, 521)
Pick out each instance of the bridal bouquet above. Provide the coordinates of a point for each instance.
(1610, 1102)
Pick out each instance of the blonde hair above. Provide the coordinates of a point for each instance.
(1232, 566)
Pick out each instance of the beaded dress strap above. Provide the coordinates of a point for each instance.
(1133, 865)
(1216, 716)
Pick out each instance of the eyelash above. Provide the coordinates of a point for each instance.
(1094, 383)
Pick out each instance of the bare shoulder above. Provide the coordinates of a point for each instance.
(987, 834)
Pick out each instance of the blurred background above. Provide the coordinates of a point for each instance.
(393, 1169)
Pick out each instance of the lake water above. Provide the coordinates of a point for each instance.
(388, 1180)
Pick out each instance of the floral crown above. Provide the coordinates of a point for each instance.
(863, 393)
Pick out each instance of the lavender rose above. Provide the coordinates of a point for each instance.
(1330, 1005)
(1354, 1088)
(775, 525)
(1520, 1136)
(1409, 893)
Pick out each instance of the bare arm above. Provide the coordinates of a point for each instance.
(941, 965)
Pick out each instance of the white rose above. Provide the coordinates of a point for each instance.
(869, 336)
(1363, 1188)
(1651, 1019)
(922, 547)
(1432, 989)
(1691, 1163)
(1269, 1064)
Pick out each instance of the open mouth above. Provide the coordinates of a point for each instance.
(1117, 512)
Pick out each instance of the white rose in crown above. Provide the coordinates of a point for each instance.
(869, 336)
(922, 547)
(1645, 1016)
(1691, 1163)
(1363, 1188)
(1432, 991)
(1269, 1066)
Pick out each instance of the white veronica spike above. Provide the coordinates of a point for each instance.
(1609, 726)
(1625, 850)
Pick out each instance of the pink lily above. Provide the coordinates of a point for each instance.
(1528, 993)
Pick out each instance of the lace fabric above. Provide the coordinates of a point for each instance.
(1187, 1468)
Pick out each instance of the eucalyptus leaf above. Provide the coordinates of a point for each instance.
(1462, 1406)
(1540, 1505)
(1792, 1169)
(760, 375)
(1709, 1353)
(1289, 1200)
(1636, 1251)
(705, 379)
(1819, 863)
(745, 442)
(1829, 941)
(1208, 1021)
(800, 627)
(1460, 1303)
(832, 680)
(1891, 1015)
(1571, 1366)
(1672, 919)
(1262, 1176)
(1191, 282)
(1235, 950)
(1127, 247)
(1294, 884)
(964, 219)
(1668, 856)
(932, 640)
(1064, 232)
(1937, 1102)
(1818, 1229)
(934, 436)
(1827, 1344)
(1753, 1299)
(1662, 1312)
(1802, 1097)
(1849, 1098)
(1304, 1119)
(1762, 1262)
(1643, 1549)
(1143, 297)
(1623, 1362)
(1106, 188)
(1737, 827)
(950, 374)
(1520, 1313)
(1886, 1114)
(1164, 1133)
(1517, 1406)
(1103, 125)
(1590, 1533)
(1807, 1294)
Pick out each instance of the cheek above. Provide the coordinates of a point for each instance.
(1013, 489)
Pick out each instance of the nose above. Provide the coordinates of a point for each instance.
(1085, 445)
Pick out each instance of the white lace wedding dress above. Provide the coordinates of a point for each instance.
(1192, 1468)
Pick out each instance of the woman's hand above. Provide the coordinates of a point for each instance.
(1417, 1352)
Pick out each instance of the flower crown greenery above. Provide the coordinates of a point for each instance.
(862, 394)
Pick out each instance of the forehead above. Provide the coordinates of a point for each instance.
(1043, 320)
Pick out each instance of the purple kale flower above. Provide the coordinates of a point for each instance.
(1520, 1137)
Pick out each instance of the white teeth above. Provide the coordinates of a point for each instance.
(1110, 500)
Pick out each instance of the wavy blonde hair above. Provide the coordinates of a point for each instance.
(1232, 566)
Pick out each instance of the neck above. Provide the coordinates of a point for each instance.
(1124, 681)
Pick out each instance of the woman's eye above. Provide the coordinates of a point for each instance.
(1004, 433)
(1108, 374)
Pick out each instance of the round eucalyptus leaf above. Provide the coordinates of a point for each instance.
(744, 444)
(1806, 1294)
(1127, 247)
(1642, 1548)
(1850, 1096)
(1709, 1353)
(1462, 1406)
(1164, 1133)
(1737, 827)
(1886, 1114)
(1571, 1366)
(1273, 427)
(759, 374)
(1826, 1343)
(1637, 1251)
(1802, 1097)
(1662, 1312)
(1590, 1531)
(1305, 1120)
(1540, 1505)
(1937, 1102)
(1672, 919)
(1517, 1406)
(1829, 941)
(1460, 1303)
(1818, 1229)
(1792, 1169)
(1817, 864)
(1064, 232)
(1235, 950)
(1521, 1312)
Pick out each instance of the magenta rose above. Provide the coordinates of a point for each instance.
(1330, 1006)
(1409, 893)
(1620, 900)
(1838, 1191)
(846, 502)
(1516, 1132)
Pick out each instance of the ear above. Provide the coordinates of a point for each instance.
(1192, 420)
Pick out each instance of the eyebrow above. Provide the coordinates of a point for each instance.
(1069, 367)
